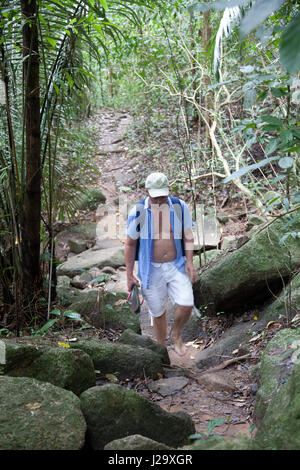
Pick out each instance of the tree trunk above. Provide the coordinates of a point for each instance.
(31, 208)
(208, 101)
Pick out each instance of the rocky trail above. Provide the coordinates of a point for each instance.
(219, 402)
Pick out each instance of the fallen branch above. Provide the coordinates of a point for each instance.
(225, 364)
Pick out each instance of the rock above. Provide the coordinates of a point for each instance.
(63, 281)
(95, 272)
(241, 240)
(86, 231)
(287, 303)
(222, 217)
(168, 386)
(69, 369)
(122, 360)
(275, 367)
(39, 416)
(106, 310)
(76, 282)
(175, 371)
(261, 265)
(227, 242)
(135, 442)
(232, 339)
(254, 219)
(206, 258)
(90, 199)
(217, 381)
(280, 427)
(108, 270)
(81, 281)
(19, 356)
(77, 246)
(92, 258)
(130, 337)
(113, 412)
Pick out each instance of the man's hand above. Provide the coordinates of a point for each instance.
(190, 271)
(131, 281)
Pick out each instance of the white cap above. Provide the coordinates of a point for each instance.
(157, 185)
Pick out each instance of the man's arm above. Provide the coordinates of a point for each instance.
(189, 252)
(130, 249)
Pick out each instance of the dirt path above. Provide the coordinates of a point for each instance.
(224, 395)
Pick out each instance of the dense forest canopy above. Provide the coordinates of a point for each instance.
(229, 69)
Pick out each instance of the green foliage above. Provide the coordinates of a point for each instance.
(60, 317)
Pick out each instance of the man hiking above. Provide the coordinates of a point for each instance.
(160, 238)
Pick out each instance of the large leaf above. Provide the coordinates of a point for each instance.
(246, 169)
(258, 13)
(290, 46)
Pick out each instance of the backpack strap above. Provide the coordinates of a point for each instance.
(175, 200)
(142, 215)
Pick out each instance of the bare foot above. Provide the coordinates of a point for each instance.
(179, 345)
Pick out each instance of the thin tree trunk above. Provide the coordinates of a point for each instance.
(208, 104)
(31, 209)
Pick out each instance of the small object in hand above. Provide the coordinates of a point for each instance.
(134, 300)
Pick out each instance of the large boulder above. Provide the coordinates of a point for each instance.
(39, 416)
(280, 427)
(106, 310)
(65, 368)
(248, 275)
(276, 365)
(91, 258)
(113, 412)
(122, 360)
(130, 337)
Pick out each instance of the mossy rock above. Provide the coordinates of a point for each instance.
(207, 258)
(112, 256)
(90, 199)
(35, 415)
(287, 303)
(261, 265)
(122, 360)
(107, 310)
(87, 230)
(20, 356)
(135, 442)
(280, 427)
(130, 337)
(113, 412)
(274, 368)
(69, 369)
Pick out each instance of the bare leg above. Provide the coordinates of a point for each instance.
(181, 316)
(160, 328)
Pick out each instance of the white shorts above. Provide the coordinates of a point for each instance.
(167, 281)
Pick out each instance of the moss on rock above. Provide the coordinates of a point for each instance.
(122, 360)
(274, 368)
(130, 337)
(39, 416)
(112, 412)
